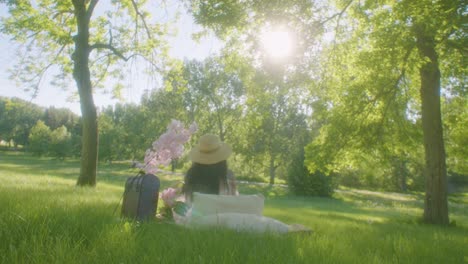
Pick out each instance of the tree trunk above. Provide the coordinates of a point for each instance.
(272, 169)
(219, 120)
(403, 176)
(435, 203)
(81, 73)
(173, 165)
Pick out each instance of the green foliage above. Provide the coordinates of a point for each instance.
(17, 117)
(127, 130)
(219, 16)
(302, 182)
(75, 145)
(39, 139)
(274, 115)
(60, 145)
(57, 117)
(456, 124)
(248, 178)
(371, 129)
(108, 143)
(51, 27)
(211, 93)
(130, 127)
(260, 115)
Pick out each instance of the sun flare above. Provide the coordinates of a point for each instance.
(277, 43)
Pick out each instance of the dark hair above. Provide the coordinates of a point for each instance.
(205, 178)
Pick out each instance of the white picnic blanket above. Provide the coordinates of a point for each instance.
(240, 213)
(206, 204)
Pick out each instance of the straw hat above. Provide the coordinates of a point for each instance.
(210, 150)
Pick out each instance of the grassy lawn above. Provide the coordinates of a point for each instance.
(44, 218)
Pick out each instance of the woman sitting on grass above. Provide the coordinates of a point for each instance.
(209, 174)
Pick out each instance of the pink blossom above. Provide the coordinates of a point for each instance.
(169, 196)
(169, 146)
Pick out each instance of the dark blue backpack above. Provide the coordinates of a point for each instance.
(140, 198)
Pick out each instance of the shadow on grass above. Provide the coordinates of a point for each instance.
(362, 206)
(24, 163)
(381, 198)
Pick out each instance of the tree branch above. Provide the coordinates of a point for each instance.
(40, 75)
(62, 13)
(337, 14)
(120, 55)
(91, 7)
(104, 73)
(139, 14)
(108, 47)
(457, 46)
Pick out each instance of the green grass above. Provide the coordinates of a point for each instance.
(44, 218)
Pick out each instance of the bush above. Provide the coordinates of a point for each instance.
(302, 182)
(39, 139)
(252, 178)
(60, 143)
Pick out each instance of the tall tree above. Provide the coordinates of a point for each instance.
(57, 117)
(272, 90)
(275, 121)
(159, 108)
(391, 45)
(212, 95)
(414, 42)
(86, 43)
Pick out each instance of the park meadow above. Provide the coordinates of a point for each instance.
(45, 218)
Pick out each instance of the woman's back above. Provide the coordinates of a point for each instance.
(208, 173)
(206, 178)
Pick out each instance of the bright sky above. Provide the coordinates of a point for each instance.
(182, 46)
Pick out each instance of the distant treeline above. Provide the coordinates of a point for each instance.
(42, 131)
